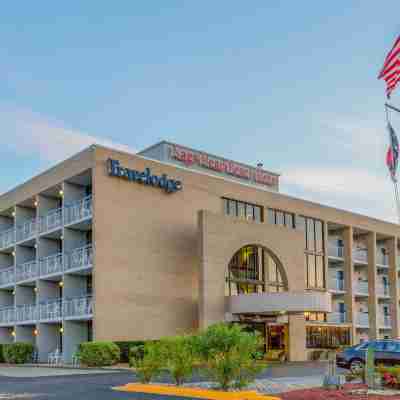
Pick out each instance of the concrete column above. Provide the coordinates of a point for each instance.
(372, 281)
(325, 244)
(297, 337)
(75, 332)
(394, 288)
(349, 279)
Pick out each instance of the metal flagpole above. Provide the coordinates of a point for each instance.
(394, 180)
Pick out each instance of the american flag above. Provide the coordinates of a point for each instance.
(390, 72)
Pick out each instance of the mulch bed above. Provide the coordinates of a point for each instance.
(324, 394)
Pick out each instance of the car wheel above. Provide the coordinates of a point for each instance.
(356, 366)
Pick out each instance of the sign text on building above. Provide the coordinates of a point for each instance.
(146, 178)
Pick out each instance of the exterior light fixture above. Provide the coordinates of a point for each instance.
(61, 330)
(36, 203)
(36, 332)
(13, 292)
(35, 245)
(62, 237)
(13, 213)
(61, 283)
(35, 289)
(13, 333)
(13, 253)
(61, 193)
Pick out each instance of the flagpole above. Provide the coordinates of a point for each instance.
(394, 180)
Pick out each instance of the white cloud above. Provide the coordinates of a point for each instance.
(26, 133)
(363, 185)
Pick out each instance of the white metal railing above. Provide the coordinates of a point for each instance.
(382, 259)
(362, 319)
(383, 290)
(79, 258)
(26, 312)
(50, 310)
(336, 284)
(52, 220)
(7, 315)
(361, 287)
(78, 210)
(27, 230)
(385, 321)
(26, 271)
(51, 265)
(360, 255)
(7, 276)
(336, 317)
(335, 251)
(7, 238)
(78, 307)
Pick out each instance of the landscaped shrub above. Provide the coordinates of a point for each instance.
(178, 357)
(98, 354)
(147, 360)
(18, 353)
(230, 354)
(125, 348)
(1, 354)
(390, 375)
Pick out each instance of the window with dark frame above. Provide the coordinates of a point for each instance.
(242, 209)
(327, 337)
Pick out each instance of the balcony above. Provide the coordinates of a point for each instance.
(79, 258)
(335, 251)
(51, 221)
(336, 318)
(382, 260)
(383, 290)
(360, 256)
(336, 285)
(361, 288)
(7, 316)
(79, 307)
(362, 320)
(7, 276)
(26, 313)
(7, 238)
(50, 310)
(27, 271)
(385, 322)
(78, 211)
(51, 265)
(26, 231)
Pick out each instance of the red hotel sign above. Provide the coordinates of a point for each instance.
(189, 157)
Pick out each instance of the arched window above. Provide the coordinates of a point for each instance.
(253, 269)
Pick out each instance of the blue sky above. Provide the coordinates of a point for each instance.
(287, 82)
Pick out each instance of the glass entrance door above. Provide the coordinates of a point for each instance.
(277, 341)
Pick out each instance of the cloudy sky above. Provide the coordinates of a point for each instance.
(292, 84)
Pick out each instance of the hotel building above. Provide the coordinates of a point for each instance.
(115, 246)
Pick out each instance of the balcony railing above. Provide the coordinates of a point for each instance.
(360, 255)
(7, 238)
(27, 271)
(78, 307)
(7, 276)
(336, 318)
(382, 259)
(7, 315)
(79, 258)
(50, 310)
(78, 210)
(51, 265)
(362, 320)
(26, 313)
(383, 290)
(52, 220)
(27, 230)
(361, 287)
(335, 251)
(336, 285)
(385, 321)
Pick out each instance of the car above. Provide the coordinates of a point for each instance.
(387, 352)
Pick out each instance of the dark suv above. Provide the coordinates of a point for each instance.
(386, 352)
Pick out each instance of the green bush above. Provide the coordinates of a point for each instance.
(18, 353)
(147, 360)
(99, 354)
(230, 354)
(125, 348)
(178, 357)
(1, 354)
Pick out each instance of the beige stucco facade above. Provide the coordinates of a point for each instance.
(160, 260)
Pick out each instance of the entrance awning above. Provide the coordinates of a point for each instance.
(260, 303)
